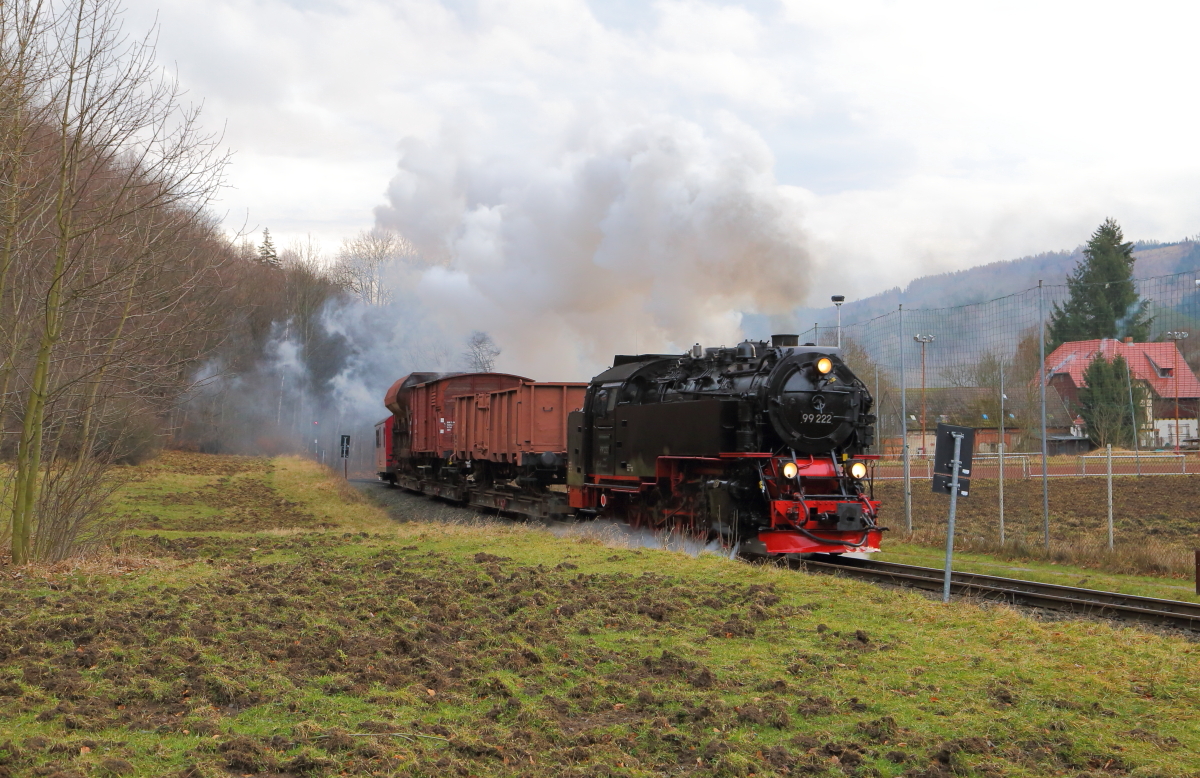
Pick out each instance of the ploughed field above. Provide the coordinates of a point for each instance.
(1160, 508)
(315, 635)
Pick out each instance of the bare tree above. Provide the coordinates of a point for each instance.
(116, 254)
(481, 352)
(364, 260)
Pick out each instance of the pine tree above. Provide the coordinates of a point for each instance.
(1105, 402)
(1103, 301)
(266, 251)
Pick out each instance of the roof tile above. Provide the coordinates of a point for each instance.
(1153, 363)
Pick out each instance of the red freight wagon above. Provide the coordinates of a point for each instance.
(425, 408)
(383, 444)
(517, 430)
(514, 425)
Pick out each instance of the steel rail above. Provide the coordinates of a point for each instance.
(1072, 599)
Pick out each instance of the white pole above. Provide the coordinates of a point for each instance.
(1108, 459)
(954, 465)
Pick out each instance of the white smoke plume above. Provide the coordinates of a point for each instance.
(602, 237)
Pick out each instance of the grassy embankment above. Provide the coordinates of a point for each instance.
(312, 635)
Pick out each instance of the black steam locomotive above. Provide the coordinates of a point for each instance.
(762, 444)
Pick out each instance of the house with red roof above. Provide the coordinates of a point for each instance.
(1158, 366)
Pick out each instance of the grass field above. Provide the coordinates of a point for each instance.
(1156, 520)
(262, 618)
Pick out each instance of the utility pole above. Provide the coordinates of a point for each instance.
(838, 299)
(1175, 337)
(1137, 452)
(1042, 388)
(923, 340)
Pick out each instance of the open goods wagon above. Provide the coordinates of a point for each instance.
(488, 439)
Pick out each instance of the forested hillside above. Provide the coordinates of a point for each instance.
(997, 279)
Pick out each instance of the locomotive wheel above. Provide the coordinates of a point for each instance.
(639, 516)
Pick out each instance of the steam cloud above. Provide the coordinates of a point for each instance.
(647, 236)
(605, 238)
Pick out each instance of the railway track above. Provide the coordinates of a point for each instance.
(1184, 615)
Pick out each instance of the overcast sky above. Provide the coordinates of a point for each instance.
(882, 140)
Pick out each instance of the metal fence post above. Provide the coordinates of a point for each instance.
(904, 433)
(1000, 452)
(1108, 459)
(1042, 387)
(1002, 490)
(878, 408)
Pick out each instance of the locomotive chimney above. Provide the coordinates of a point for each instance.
(784, 341)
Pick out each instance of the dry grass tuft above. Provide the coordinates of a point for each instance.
(1147, 557)
(99, 564)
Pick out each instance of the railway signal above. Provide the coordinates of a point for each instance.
(952, 473)
(346, 456)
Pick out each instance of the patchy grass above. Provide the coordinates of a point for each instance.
(372, 648)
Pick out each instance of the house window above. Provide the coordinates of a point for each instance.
(1161, 372)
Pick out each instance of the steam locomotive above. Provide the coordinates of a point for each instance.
(761, 445)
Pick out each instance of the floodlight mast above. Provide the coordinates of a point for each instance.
(838, 299)
(923, 340)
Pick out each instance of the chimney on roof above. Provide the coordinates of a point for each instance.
(1127, 340)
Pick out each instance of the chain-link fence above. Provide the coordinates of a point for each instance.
(978, 366)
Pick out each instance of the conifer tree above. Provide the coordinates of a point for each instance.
(1103, 301)
(266, 251)
(1105, 402)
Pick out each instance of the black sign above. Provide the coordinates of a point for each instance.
(943, 455)
(345, 446)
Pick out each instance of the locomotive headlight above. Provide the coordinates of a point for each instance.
(790, 469)
(824, 365)
(858, 470)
